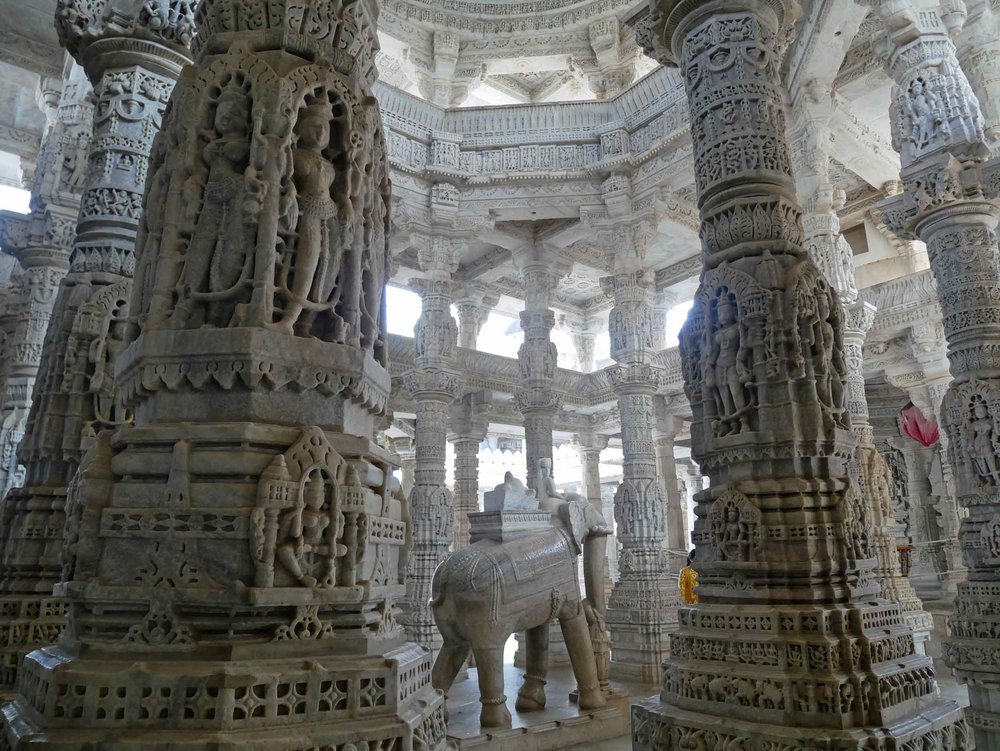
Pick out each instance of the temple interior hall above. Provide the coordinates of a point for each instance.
(521, 375)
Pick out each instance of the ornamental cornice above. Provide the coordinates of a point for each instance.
(483, 19)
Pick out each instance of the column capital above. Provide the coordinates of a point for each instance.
(122, 33)
(538, 401)
(859, 317)
(587, 443)
(469, 419)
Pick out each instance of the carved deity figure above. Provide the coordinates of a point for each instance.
(104, 350)
(926, 113)
(308, 535)
(75, 163)
(303, 280)
(984, 443)
(825, 354)
(220, 255)
(735, 542)
(730, 375)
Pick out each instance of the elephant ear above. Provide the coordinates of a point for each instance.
(574, 519)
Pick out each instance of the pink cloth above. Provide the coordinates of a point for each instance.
(912, 423)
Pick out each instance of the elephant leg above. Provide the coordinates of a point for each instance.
(494, 712)
(532, 694)
(581, 655)
(449, 661)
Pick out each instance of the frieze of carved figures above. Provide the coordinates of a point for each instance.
(260, 181)
(741, 340)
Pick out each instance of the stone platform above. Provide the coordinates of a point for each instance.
(558, 726)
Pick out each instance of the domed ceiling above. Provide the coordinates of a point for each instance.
(455, 53)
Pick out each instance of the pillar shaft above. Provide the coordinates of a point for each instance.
(232, 561)
(469, 427)
(41, 243)
(948, 186)
(537, 357)
(641, 608)
(434, 386)
(875, 478)
(132, 68)
(785, 560)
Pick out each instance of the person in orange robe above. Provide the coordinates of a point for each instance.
(689, 580)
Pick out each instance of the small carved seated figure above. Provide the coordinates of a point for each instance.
(308, 548)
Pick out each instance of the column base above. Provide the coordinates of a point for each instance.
(661, 727)
(973, 650)
(70, 702)
(642, 614)
(26, 622)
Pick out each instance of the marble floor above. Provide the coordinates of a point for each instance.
(463, 702)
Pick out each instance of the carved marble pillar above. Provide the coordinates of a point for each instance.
(403, 447)
(41, 242)
(589, 447)
(132, 55)
(233, 561)
(472, 314)
(583, 332)
(785, 560)
(875, 479)
(469, 426)
(641, 608)
(929, 346)
(665, 430)
(950, 203)
(979, 54)
(434, 385)
(834, 258)
(538, 401)
(661, 304)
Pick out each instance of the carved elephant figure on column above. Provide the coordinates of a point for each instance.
(489, 590)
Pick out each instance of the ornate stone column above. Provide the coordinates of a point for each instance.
(473, 310)
(665, 430)
(875, 479)
(41, 243)
(232, 563)
(950, 203)
(834, 258)
(132, 54)
(583, 332)
(434, 386)
(538, 401)
(979, 54)
(469, 426)
(789, 645)
(403, 447)
(589, 447)
(641, 610)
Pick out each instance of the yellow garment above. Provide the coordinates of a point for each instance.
(687, 582)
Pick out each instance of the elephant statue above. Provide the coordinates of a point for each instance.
(483, 593)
